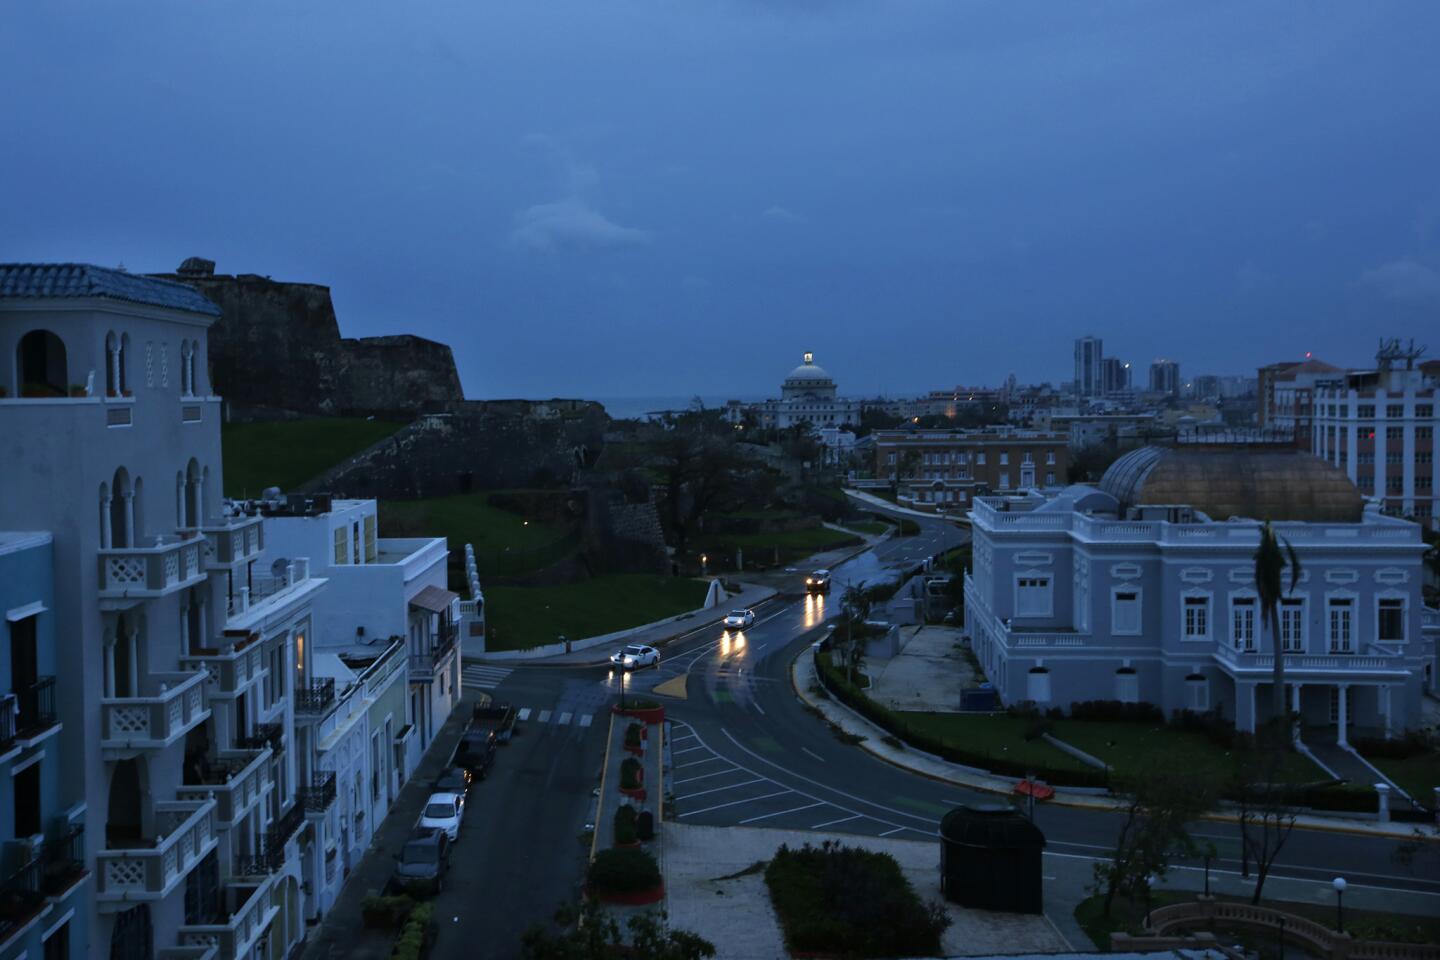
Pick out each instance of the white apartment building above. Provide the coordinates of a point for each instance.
(1378, 426)
(176, 705)
(380, 589)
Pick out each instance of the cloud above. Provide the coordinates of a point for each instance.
(781, 215)
(1405, 281)
(570, 224)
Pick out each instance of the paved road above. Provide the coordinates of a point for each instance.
(747, 753)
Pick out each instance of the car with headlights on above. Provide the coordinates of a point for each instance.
(818, 582)
(635, 655)
(739, 619)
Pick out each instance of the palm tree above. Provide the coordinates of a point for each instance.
(1270, 563)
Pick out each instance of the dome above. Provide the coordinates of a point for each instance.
(1258, 481)
(808, 371)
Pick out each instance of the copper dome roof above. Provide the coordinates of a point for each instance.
(1259, 481)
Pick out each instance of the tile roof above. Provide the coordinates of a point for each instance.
(35, 281)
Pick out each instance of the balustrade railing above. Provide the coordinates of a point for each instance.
(35, 707)
(319, 795)
(315, 697)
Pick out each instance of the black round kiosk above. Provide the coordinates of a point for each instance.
(990, 859)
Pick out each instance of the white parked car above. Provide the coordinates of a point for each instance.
(635, 655)
(739, 619)
(443, 811)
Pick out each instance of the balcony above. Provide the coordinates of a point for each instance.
(1332, 665)
(318, 797)
(33, 711)
(233, 666)
(9, 706)
(261, 590)
(233, 541)
(264, 735)
(423, 665)
(174, 707)
(235, 779)
(21, 899)
(63, 863)
(246, 909)
(157, 569)
(315, 698)
(271, 858)
(151, 868)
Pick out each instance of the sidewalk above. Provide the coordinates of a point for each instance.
(802, 678)
(342, 932)
(655, 634)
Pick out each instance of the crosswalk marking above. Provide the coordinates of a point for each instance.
(585, 720)
(484, 677)
(524, 713)
(544, 716)
(564, 719)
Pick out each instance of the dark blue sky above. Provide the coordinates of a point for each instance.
(636, 197)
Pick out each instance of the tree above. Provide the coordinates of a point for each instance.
(1154, 828)
(699, 466)
(855, 606)
(1269, 575)
(1265, 815)
(591, 933)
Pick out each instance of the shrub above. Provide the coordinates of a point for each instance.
(417, 934)
(908, 527)
(625, 825)
(630, 774)
(1415, 743)
(645, 825)
(842, 900)
(632, 734)
(623, 871)
(1113, 710)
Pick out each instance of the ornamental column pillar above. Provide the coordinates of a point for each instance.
(1343, 714)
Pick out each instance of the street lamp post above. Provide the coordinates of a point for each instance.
(704, 565)
(1339, 884)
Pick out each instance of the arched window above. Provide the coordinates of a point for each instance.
(187, 387)
(40, 361)
(104, 516)
(122, 510)
(192, 494)
(112, 365)
(193, 363)
(122, 364)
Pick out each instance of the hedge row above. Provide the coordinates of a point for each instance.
(417, 934)
(623, 870)
(841, 689)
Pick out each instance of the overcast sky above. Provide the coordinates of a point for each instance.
(629, 198)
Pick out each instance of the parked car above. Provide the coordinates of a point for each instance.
(739, 619)
(444, 811)
(454, 780)
(818, 582)
(497, 718)
(635, 655)
(421, 863)
(475, 752)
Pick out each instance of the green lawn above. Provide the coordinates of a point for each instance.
(997, 735)
(287, 453)
(1418, 776)
(496, 534)
(760, 548)
(872, 527)
(522, 617)
(1130, 748)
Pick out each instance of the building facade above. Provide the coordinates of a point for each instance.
(1378, 426)
(945, 469)
(1165, 378)
(1090, 367)
(1143, 590)
(1115, 376)
(808, 397)
(48, 890)
(176, 714)
(1286, 395)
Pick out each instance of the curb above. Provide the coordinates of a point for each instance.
(1305, 822)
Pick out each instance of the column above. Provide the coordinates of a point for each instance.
(109, 665)
(1250, 707)
(180, 501)
(1295, 709)
(185, 629)
(1386, 709)
(105, 522)
(129, 519)
(133, 644)
(199, 502)
(1344, 714)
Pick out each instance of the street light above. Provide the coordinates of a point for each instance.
(1339, 884)
(704, 563)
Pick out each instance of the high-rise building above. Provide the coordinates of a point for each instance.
(1115, 376)
(1165, 378)
(1379, 427)
(1089, 372)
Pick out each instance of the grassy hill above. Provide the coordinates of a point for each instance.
(287, 453)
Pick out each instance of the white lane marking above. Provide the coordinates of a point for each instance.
(524, 713)
(756, 705)
(831, 823)
(687, 736)
(704, 776)
(766, 816)
(696, 763)
(718, 806)
(544, 716)
(586, 720)
(677, 753)
(896, 830)
(813, 754)
(728, 786)
(564, 718)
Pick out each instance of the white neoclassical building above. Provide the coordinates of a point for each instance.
(808, 396)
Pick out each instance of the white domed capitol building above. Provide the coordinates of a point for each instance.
(806, 397)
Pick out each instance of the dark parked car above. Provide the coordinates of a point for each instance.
(497, 718)
(421, 863)
(454, 780)
(475, 753)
